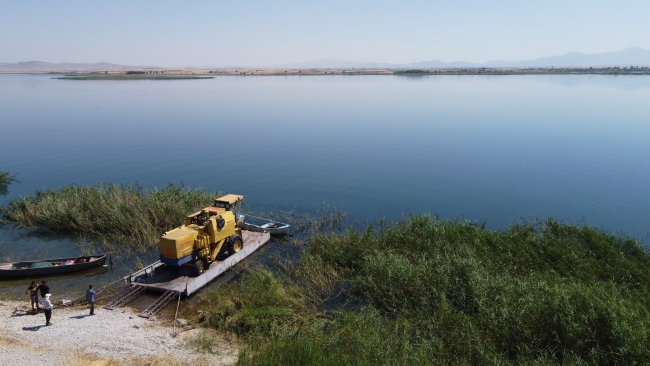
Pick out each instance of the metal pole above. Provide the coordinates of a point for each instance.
(176, 315)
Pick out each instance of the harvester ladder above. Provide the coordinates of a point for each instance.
(125, 296)
(162, 301)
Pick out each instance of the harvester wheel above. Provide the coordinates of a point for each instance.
(199, 266)
(235, 244)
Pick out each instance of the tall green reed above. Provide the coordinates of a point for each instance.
(120, 216)
(429, 291)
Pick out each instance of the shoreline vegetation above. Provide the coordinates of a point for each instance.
(120, 217)
(425, 291)
(420, 290)
(181, 74)
(130, 218)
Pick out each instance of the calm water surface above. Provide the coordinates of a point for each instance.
(495, 148)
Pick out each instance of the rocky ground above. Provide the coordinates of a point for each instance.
(117, 337)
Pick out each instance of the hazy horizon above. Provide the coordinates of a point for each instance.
(221, 34)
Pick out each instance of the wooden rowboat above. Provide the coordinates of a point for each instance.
(47, 267)
(277, 228)
(271, 227)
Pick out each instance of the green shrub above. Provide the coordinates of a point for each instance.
(428, 291)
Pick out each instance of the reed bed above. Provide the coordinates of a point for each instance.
(427, 291)
(124, 216)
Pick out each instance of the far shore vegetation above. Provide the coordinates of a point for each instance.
(417, 291)
(423, 71)
(181, 74)
(130, 76)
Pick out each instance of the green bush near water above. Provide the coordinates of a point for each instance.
(125, 215)
(425, 291)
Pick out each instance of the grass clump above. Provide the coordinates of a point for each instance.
(127, 214)
(204, 341)
(428, 291)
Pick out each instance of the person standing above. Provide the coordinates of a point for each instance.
(44, 289)
(90, 297)
(32, 290)
(47, 308)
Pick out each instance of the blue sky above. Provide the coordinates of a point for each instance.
(262, 33)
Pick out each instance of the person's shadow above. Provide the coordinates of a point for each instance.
(79, 316)
(22, 313)
(34, 328)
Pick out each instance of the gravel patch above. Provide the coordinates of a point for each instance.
(118, 337)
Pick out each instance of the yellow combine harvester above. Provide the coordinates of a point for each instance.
(206, 233)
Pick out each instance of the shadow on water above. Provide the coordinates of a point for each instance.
(92, 272)
(5, 180)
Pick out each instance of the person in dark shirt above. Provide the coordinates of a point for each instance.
(43, 288)
(32, 290)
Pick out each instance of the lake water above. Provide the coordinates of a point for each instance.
(495, 148)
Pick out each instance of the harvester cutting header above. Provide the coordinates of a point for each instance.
(205, 235)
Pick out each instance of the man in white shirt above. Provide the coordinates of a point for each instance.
(47, 308)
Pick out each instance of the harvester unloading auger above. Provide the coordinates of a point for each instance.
(205, 235)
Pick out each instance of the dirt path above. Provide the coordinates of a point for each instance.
(117, 337)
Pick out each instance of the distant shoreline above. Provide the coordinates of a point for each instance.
(130, 77)
(179, 74)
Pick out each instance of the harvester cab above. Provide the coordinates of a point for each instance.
(205, 235)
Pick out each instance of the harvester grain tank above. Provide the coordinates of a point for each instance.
(205, 235)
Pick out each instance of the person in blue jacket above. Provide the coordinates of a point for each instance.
(90, 297)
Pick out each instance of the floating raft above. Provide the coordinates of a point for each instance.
(176, 282)
(157, 277)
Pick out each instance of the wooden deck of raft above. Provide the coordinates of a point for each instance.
(157, 278)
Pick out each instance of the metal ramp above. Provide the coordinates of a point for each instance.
(162, 301)
(125, 296)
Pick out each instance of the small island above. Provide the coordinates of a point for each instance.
(131, 75)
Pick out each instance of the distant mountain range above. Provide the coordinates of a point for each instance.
(633, 56)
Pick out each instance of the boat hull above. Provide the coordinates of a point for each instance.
(94, 261)
(282, 230)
